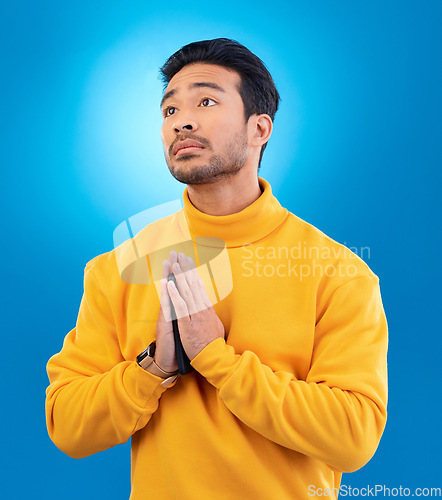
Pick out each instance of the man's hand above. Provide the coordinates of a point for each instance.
(165, 356)
(197, 321)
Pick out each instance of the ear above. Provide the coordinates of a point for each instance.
(262, 130)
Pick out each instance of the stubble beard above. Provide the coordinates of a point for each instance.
(219, 166)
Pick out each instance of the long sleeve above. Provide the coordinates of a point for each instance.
(337, 415)
(96, 399)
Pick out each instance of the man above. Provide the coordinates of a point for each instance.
(289, 386)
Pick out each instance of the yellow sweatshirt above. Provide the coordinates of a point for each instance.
(293, 397)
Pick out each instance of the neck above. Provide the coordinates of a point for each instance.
(249, 225)
(226, 196)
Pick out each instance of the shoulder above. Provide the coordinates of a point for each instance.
(127, 262)
(102, 268)
(313, 246)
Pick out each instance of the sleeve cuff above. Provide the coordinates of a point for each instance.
(216, 362)
(143, 387)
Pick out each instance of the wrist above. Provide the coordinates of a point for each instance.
(146, 361)
(156, 369)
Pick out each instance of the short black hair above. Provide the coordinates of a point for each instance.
(257, 89)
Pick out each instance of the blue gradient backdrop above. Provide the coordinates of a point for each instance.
(356, 152)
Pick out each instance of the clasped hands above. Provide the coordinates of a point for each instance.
(198, 322)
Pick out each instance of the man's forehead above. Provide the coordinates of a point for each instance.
(198, 75)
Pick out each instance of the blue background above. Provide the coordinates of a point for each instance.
(355, 151)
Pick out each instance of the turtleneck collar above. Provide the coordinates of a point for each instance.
(252, 224)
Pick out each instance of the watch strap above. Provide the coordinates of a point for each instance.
(147, 362)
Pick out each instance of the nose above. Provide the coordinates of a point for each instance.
(184, 123)
(187, 126)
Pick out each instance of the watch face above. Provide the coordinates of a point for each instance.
(149, 351)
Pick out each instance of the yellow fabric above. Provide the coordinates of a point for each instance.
(293, 397)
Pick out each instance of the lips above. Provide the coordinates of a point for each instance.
(186, 144)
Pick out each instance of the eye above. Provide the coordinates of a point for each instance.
(169, 111)
(206, 102)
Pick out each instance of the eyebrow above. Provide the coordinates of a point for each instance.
(210, 85)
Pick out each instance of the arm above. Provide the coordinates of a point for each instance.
(96, 399)
(337, 415)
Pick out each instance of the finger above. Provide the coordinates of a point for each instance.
(184, 288)
(165, 308)
(193, 278)
(203, 294)
(166, 268)
(187, 269)
(178, 302)
(193, 272)
(183, 262)
(173, 257)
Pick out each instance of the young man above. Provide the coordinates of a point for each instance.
(289, 387)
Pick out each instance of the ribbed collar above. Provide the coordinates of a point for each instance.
(253, 223)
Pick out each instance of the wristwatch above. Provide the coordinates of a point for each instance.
(146, 360)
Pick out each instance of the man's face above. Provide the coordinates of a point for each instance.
(204, 131)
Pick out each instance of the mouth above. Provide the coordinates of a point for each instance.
(187, 146)
(188, 150)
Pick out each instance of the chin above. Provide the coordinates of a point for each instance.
(186, 157)
(218, 168)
